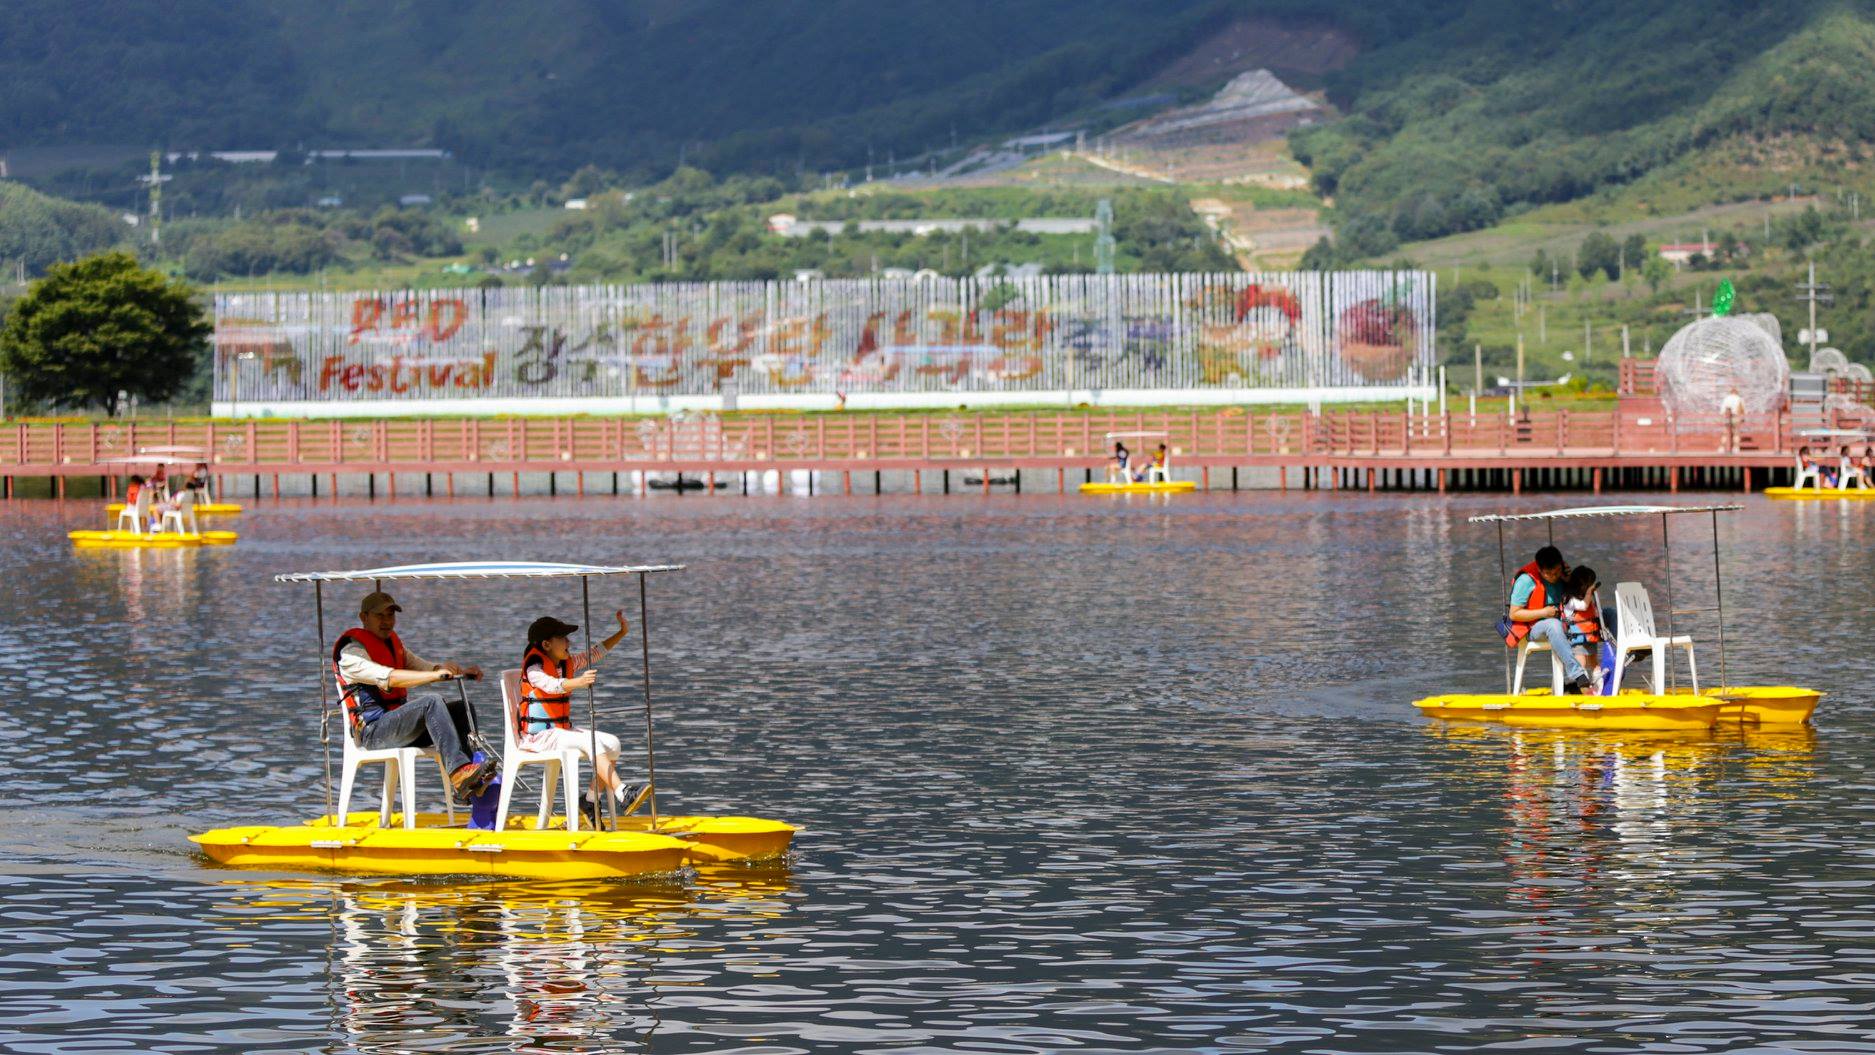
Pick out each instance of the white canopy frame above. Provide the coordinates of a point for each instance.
(501, 570)
(1666, 543)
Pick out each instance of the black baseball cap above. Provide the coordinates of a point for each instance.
(547, 626)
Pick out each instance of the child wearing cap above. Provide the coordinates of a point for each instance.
(550, 674)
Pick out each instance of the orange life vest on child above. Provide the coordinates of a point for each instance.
(541, 709)
(1539, 598)
(365, 702)
(131, 491)
(1588, 622)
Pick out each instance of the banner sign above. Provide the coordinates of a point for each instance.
(1289, 330)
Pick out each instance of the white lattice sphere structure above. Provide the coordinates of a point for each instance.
(1711, 357)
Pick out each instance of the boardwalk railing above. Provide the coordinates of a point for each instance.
(906, 441)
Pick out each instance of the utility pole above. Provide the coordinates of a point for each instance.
(1477, 366)
(1815, 293)
(1587, 337)
(1103, 241)
(156, 197)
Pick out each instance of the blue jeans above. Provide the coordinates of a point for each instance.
(1552, 631)
(421, 718)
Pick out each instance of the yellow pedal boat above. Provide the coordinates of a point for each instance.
(519, 852)
(1167, 487)
(208, 509)
(1766, 704)
(1538, 709)
(157, 539)
(1840, 494)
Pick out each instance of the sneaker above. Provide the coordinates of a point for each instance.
(479, 774)
(635, 796)
(589, 811)
(1577, 687)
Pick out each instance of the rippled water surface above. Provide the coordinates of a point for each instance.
(1075, 775)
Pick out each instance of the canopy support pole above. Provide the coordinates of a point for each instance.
(592, 708)
(1666, 546)
(1718, 587)
(1503, 578)
(325, 710)
(644, 645)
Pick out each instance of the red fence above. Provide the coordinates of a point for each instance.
(1636, 431)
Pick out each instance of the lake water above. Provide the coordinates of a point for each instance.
(1075, 775)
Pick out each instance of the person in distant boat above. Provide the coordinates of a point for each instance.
(188, 498)
(199, 476)
(1534, 609)
(133, 489)
(1156, 463)
(550, 674)
(160, 481)
(375, 675)
(1582, 619)
(1116, 469)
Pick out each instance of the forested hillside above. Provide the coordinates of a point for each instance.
(1515, 104)
(550, 85)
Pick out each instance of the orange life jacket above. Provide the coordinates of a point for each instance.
(131, 491)
(365, 702)
(541, 709)
(1539, 598)
(1588, 622)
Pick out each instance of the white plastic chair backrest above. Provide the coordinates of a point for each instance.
(510, 704)
(142, 508)
(1637, 611)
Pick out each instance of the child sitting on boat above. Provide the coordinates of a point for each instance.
(1582, 621)
(1155, 464)
(550, 674)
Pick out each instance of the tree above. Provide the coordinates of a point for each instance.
(1599, 253)
(1656, 271)
(1633, 251)
(103, 326)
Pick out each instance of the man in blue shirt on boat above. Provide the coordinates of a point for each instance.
(1535, 611)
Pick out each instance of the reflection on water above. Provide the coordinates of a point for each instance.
(576, 966)
(1074, 776)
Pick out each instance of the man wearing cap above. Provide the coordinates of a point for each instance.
(550, 674)
(376, 673)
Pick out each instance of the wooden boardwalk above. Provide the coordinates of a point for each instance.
(1634, 438)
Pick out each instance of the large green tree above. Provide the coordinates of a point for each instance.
(97, 329)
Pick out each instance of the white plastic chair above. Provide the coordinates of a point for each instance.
(1851, 471)
(1531, 643)
(400, 770)
(1812, 473)
(182, 515)
(1635, 633)
(138, 512)
(560, 765)
(1155, 473)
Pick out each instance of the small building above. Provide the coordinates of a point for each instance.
(331, 201)
(781, 223)
(414, 200)
(807, 274)
(1682, 252)
(576, 204)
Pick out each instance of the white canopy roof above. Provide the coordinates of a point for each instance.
(511, 569)
(1846, 434)
(1601, 511)
(176, 450)
(1141, 434)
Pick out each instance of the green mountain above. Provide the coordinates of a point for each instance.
(1513, 105)
(549, 85)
